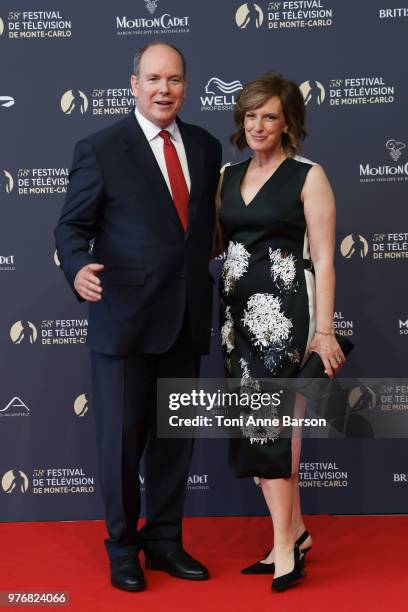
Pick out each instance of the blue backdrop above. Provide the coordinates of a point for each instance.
(65, 73)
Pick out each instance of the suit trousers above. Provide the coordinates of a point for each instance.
(124, 391)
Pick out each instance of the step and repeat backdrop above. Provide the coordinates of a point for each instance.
(65, 71)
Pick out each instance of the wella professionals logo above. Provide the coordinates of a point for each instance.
(220, 95)
(6, 101)
(215, 86)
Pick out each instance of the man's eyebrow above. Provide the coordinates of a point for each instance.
(172, 76)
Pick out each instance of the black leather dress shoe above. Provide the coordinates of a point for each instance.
(177, 563)
(127, 574)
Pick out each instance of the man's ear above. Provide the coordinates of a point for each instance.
(134, 83)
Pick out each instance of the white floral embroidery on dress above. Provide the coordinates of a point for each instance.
(256, 433)
(235, 265)
(246, 380)
(266, 322)
(283, 268)
(227, 331)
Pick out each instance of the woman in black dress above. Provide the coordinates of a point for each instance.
(277, 224)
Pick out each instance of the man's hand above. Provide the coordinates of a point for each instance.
(88, 284)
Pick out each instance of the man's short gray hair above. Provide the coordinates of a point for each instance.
(140, 52)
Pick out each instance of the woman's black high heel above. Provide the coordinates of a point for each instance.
(291, 578)
(300, 541)
(259, 567)
(269, 568)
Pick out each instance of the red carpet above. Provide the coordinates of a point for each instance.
(357, 563)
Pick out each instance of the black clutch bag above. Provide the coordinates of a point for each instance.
(329, 397)
(314, 368)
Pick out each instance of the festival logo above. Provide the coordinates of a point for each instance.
(342, 325)
(23, 332)
(6, 182)
(322, 474)
(64, 331)
(354, 246)
(349, 91)
(38, 25)
(313, 92)
(50, 332)
(62, 481)
(42, 181)
(303, 14)
(14, 482)
(249, 15)
(393, 398)
(6, 101)
(74, 101)
(362, 398)
(390, 246)
(220, 95)
(112, 101)
(81, 405)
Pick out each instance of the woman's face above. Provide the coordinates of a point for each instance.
(265, 125)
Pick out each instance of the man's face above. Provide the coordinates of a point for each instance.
(160, 88)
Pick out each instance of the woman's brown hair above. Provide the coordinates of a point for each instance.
(256, 93)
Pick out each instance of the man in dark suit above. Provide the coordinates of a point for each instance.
(141, 193)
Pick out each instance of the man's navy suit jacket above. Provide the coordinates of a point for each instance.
(119, 203)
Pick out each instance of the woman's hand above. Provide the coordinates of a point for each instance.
(330, 352)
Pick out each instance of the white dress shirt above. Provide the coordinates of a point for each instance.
(151, 131)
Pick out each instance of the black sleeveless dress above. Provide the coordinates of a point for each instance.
(267, 298)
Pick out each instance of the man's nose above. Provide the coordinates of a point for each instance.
(164, 86)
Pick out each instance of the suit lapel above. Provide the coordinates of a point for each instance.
(194, 154)
(145, 161)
